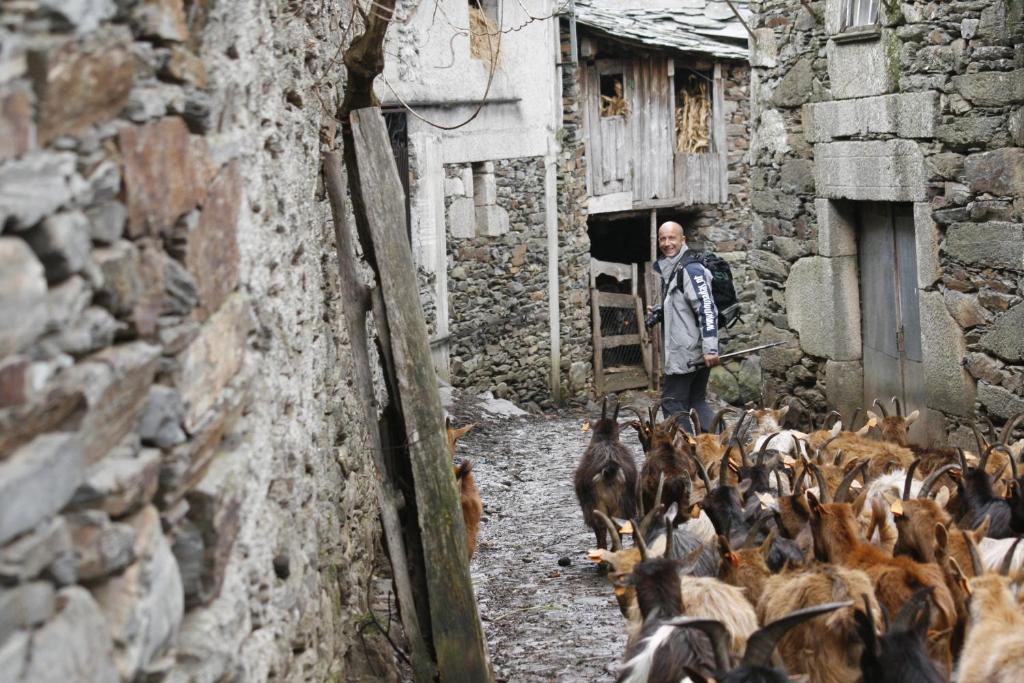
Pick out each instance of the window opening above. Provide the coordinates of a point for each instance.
(613, 98)
(857, 13)
(693, 112)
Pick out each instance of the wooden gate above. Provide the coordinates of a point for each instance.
(890, 311)
(622, 354)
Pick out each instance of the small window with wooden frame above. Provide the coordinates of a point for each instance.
(858, 15)
(694, 113)
(613, 96)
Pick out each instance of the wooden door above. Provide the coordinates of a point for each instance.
(609, 141)
(622, 356)
(890, 309)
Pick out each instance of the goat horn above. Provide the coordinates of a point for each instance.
(670, 534)
(725, 463)
(716, 422)
(833, 413)
(604, 407)
(1004, 567)
(695, 421)
(641, 544)
(714, 630)
(984, 457)
(703, 473)
(764, 448)
(778, 399)
(853, 419)
(819, 453)
(744, 456)
(615, 415)
(634, 410)
(982, 444)
(616, 539)
(962, 458)
(910, 478)
(907, 615)
(778, 478)
(991, 431)
(896, 404)
(838, 460)
(1007, 433)
(843, 490)
(881, 408)
(800, 478)
(738, 432)
(824, 495)
(929, 482)
(972, 549)
(653, 512)
(1009, 456)
(762, 643)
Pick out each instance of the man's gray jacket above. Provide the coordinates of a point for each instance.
(690, 323)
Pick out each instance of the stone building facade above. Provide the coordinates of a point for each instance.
(184, 490)
(906, 131)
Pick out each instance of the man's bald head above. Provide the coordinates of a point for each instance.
(671, 238)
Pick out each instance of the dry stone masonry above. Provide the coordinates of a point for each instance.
(925, 109)
(184, 493)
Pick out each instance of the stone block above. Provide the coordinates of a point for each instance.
(34, 186)
(81, 82)
(120, 264)
(95, 329)
(967, 133)
(144, 606)
(1005, 338)
(1000, 172)
(926, 243)
(453, 187)
(863, 68)
(886, 171)
(462, 218)
(17, 129)
(25, 606)
(161, 421)
(965, 309)
(101, 547)
(485, 189)
(991, 88)
(184, 66)
(492, 220)
(844, 386)
(203, 543)
(763, 49)
(164, 175)
(161, 19)
(115, 382)
(795, 87)
(74, 645)
(22, 296)
(797, 176)
(209, 363)
(67, 302)
(45, 548)
(999, 401)
(118, 485)
(211, 248)
(906, 115)
(948, 387)
(33, 409)
(106, 221)
(837, 228)
(37, 481)
(80, 16)
(62, 244)
(823, 306)
(995, 244)
(767, 264)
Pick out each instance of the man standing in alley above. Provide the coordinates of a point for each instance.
(689, 326)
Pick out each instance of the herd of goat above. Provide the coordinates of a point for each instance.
(760, 554)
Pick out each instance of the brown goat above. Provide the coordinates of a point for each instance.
(994, 651)
(668, 459)
(745, 568)
(827, 648)
(896, 579)
(472, 506)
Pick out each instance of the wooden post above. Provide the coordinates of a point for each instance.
(457, 634)
(653, 292)
(356, 306)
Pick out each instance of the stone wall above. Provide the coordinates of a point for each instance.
(926, 111)
(183, 488)
(497, 279)
(576, 339)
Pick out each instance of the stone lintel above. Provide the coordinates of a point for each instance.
(881, 171)
(906, 115)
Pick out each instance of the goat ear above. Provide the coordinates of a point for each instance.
(744, 486)
(941, 537)
(447, 421)
(622, 579)
(910, 419)
(782, 413)
(836, 428)
(815, 505)
(982, 530)
(942, 497)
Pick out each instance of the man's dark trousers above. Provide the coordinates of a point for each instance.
(682, 392)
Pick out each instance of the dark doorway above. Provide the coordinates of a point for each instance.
(398, 132)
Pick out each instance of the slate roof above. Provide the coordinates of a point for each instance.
(702, 26)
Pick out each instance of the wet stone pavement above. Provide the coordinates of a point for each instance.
(543, 621)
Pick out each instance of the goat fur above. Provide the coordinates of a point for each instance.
(994, 651)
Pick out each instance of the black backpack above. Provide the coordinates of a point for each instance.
(722, 288)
